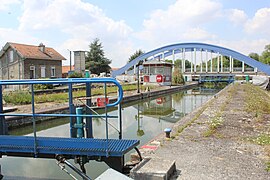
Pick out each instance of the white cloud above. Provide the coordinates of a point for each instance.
(80, 22)
(260, 23)
(197, 34)
(238, 17)
(11, 35)
(180, 20)
(5, 4)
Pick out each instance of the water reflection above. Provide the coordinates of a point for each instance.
(142, 120)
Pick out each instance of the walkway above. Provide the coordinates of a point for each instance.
(222, 152)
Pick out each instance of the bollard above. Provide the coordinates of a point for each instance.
(79, 122)
(168, 132)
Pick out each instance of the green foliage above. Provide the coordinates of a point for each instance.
(177, 77)
(43, 86)
(265, 57)
(95, 60)
(75, 75)
(135, 55)
(268, 166)
(254, 56)
(18, 97)
(255, 100)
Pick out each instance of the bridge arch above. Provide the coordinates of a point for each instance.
(173, 49)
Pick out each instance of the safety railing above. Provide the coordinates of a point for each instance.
(72, 112)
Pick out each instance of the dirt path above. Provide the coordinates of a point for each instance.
(215, 144)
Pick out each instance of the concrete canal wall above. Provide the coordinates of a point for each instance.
(130, 96)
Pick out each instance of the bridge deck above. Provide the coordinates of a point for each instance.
(50, 146)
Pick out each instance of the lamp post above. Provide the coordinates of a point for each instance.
(69, 60)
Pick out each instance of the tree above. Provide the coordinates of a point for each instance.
(254, 56)
(265, 58)
(135, 55)
(96, 61)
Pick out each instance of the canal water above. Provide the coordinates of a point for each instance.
(142, 120)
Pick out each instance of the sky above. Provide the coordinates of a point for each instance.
(124, 26)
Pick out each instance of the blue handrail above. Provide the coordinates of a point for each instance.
(69, 81)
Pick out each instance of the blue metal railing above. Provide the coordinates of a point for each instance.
(71, 114)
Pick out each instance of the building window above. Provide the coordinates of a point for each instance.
(11, 56)
(32, 72)
(52, 71)
(43, 72)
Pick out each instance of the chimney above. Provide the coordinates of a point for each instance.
(41, 47)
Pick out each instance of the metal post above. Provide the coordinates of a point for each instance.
(206, 61)
(218, 63)
(70, 68)
(184, 60)
(243, 66)
(71, 111)
(191, 61)
(89, 123)
(201, 62)
(195, 66)
(106, 119)
(211, 63)
(163, 56)
(120, 120)
(138, 79)
(221, 62)
(173, 59)
(79, 122)
(134, 69)
(3, 125)
(230, 64)
(33, 119)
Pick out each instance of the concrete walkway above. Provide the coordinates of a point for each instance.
(220, 153)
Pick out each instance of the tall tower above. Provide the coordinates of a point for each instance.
(79, 61)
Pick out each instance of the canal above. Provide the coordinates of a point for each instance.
(142, 120)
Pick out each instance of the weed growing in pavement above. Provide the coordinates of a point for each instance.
(268, 166)
(263, 139)
(213, 125)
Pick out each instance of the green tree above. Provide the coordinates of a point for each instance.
(96, 61)
(254, 56)
(265, 58)
(135, 55)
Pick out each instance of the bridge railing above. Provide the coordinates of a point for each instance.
(72, 113)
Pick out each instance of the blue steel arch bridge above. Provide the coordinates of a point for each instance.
(203, 59)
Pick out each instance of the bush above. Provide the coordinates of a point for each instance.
(178, 77)
(43, 86)
(75, 75)
(18, 97)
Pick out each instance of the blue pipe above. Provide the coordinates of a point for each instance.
(79, 122)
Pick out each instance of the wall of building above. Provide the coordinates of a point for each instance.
(11, 69)
(38, 64)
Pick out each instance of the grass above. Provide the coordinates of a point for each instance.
(255, 101)
(217, 120)
(213, 125)
(268, 166)
(263, 139)
(24, 97)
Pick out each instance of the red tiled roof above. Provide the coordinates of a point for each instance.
(65, 69)
(33, 52)
(114, 69)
